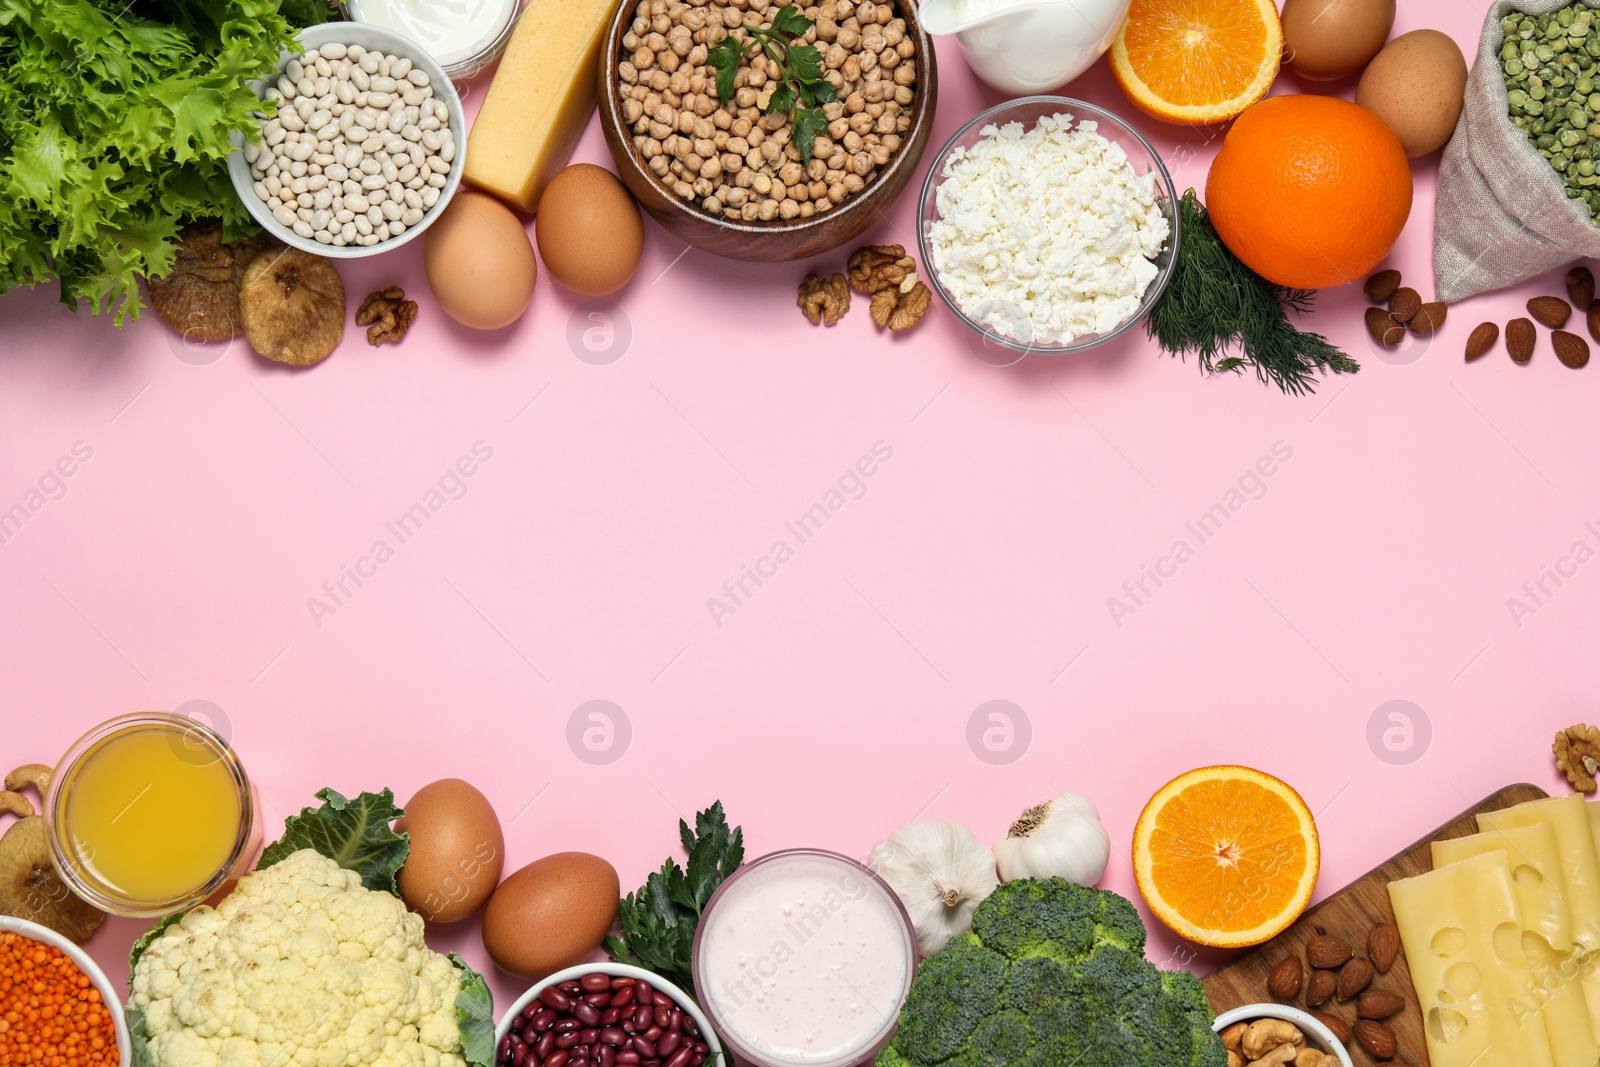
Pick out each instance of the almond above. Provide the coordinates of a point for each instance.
(1429, 317)
(1580, 288)
(1571, 349)
(1381, 286)
(1338, 1026)
(1520, 338)
(1284, 982)
(1404, 304)
(1379, 1004)
(1384, 329)
(1550, 310)
(1376, 1038)
(1383, 940)
(1482, 338)
(1594, 321)
(1353, 978)
(1326, 952)
(1320, 989)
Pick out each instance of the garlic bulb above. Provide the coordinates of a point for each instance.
(1060, 838)
(941, 872)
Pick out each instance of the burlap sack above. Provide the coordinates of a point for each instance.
(1502, 214)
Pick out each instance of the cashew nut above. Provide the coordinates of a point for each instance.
(1233, 1035)
(1266, 1035)
(35, 776)
(1283, 1054)
(15, 804)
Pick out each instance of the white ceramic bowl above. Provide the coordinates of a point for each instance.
(108, 992)
(616, 970)
(1317, 1036)
(372, 38)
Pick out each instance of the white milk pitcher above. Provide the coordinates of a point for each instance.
(1027, 48)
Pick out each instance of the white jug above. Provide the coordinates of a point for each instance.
(1032, 47)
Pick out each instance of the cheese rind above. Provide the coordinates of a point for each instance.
(540, 100)
(1461, 928)
(1540, 886)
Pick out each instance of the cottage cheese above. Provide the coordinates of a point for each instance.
(1046, 235)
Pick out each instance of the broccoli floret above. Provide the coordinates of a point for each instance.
(955, 989)
(1053, 975)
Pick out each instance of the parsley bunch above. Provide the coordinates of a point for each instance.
(801, 87)
(658, 922)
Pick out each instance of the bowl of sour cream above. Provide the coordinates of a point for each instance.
(462, 36)
(802, 959)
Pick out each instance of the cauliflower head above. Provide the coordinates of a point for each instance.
(300, 966)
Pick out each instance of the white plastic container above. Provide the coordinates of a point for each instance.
(1030, 48)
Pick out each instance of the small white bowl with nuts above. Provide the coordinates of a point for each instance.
(362, 143)
(1273, 1035)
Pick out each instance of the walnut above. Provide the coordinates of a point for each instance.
(387, 315)
(874, 268)
(824, 301)
(1577, 750)
(900, 310)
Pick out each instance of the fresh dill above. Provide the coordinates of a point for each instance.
(1214, 302)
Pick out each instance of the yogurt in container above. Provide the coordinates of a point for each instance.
(463, 36)
(802, 959)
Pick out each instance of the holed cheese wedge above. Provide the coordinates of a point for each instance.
(540, 100)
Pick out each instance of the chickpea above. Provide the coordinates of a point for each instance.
(815, 170)
(767, 210)
(630, 40)
(848, 38)
(711, 204)
(853, 183)
(643, 58)
(631, 110)
(684, 190)
(904, 75)
(703, 187)
(660, 166)
(888, 59)
(756, 136)
(659, 79)
(807, 209)
(627, 72)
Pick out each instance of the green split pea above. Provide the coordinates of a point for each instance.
(1552, 67)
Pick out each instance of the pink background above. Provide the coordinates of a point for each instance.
(834, 705)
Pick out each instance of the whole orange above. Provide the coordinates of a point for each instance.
(1310, 191)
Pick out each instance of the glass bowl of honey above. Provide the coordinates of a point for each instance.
(150, 814)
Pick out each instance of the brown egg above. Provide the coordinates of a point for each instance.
(589, 231)
(1325, 39)
(479, 262)
(457, 851)
(551, 914)
(1416, 85)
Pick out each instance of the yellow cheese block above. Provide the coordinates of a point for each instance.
(1536, 875)
(540, 100)
(1461, 928)
(1568, 817)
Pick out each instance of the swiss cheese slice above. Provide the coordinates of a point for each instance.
(1461, 928)
(1540, 886)
(1568, 818)
(540, 100)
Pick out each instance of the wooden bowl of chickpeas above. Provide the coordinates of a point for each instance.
(727, 175)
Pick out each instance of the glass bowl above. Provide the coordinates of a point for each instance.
(73, 854)
(1028, 110)
(762, 972)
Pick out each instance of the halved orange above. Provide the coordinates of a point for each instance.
(1195, 62)
(1226, 856)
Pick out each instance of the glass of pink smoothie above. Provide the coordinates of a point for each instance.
(802, 959)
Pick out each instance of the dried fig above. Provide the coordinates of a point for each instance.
(292, 305)
(29, 886)
(199, 296)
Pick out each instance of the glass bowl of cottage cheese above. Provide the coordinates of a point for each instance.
(1048, 225)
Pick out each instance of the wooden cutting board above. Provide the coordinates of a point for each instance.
(1349, 914)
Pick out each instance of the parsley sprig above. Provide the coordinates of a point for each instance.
(801, 88)
(658, 922)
